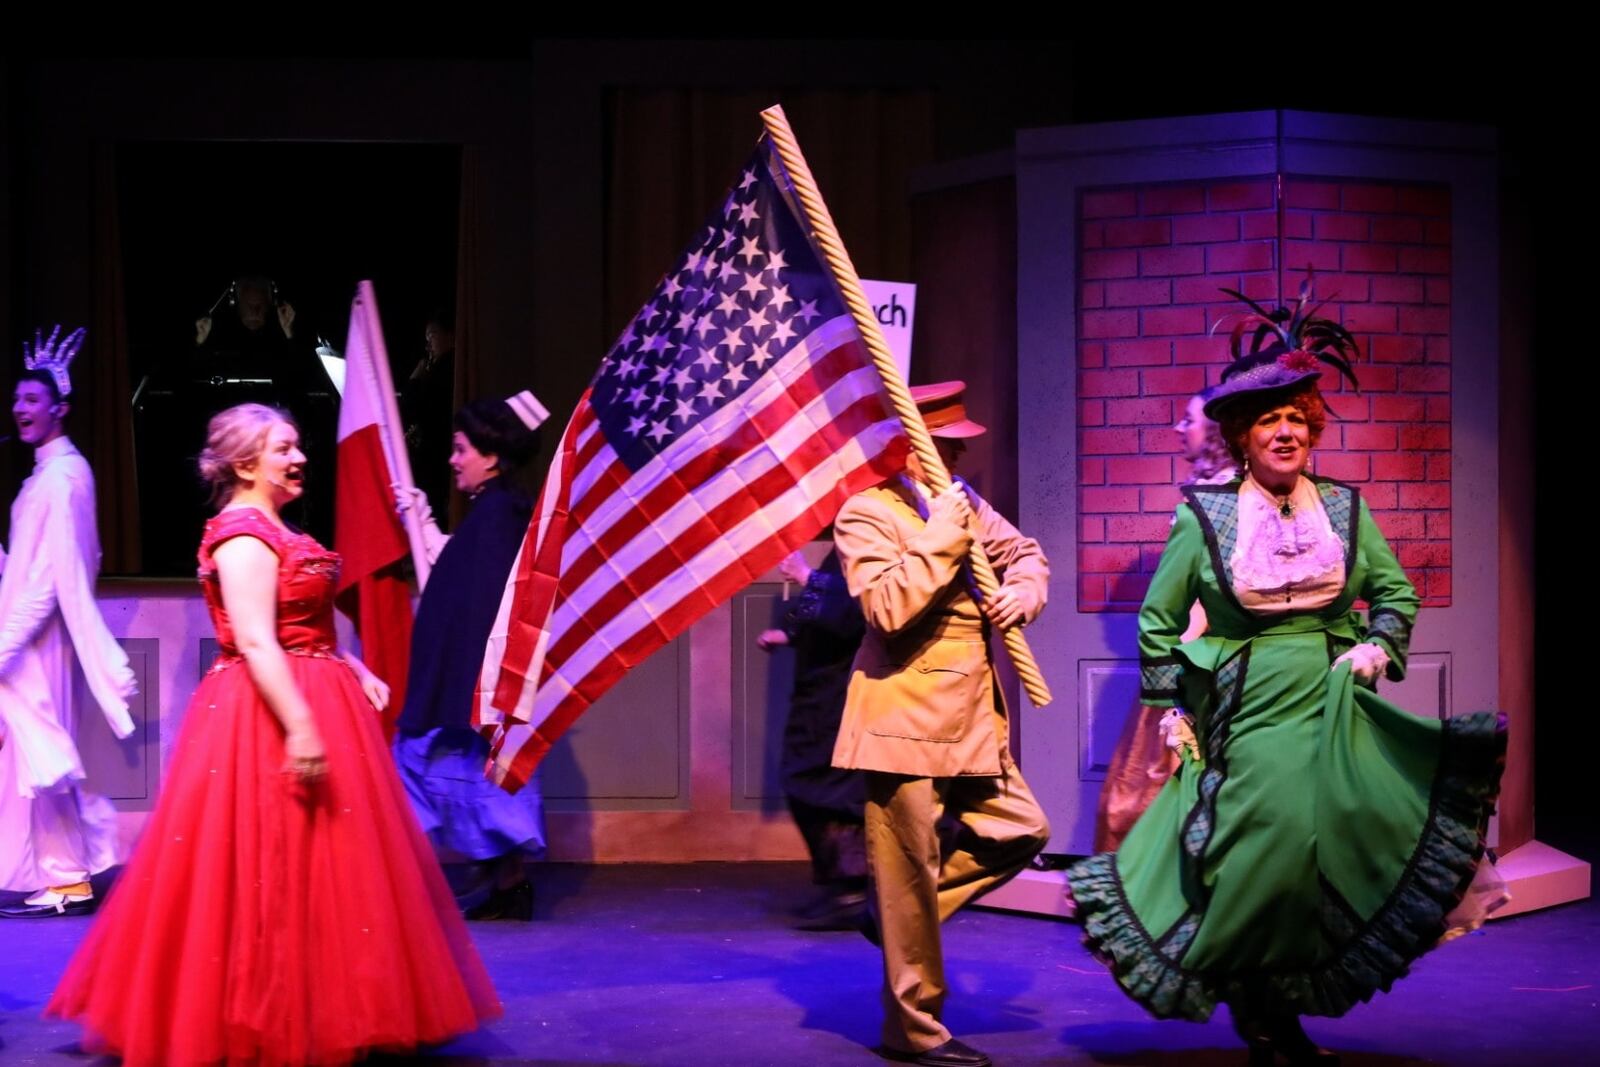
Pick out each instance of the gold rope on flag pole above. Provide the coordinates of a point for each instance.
(826, 237)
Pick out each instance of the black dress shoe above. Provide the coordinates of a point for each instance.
(1291, 1041)
(514, 902)
(842, 913)
(50, 909)
(952, 1053)
(868, 925)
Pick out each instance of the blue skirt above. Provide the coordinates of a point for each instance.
(459, 809)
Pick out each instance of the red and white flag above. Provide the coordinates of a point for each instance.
(367, 533)
(725, 428)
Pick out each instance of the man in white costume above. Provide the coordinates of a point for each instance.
(54, 646)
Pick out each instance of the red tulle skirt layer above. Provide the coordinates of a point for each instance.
(262, 921)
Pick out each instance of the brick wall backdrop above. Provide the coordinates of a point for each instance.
(1152, 259)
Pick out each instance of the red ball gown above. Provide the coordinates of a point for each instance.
(263, 920)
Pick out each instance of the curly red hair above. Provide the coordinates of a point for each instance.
(1242, 413)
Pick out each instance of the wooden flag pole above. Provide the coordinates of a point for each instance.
(827, 240)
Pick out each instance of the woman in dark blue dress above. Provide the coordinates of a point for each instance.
(440, 756)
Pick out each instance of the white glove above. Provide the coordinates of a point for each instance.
(410, 498)
(1367, 662)
(1178, 732)
(952, 506)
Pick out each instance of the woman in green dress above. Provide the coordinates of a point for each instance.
(1316, 837)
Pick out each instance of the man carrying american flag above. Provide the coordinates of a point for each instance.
(727, 425)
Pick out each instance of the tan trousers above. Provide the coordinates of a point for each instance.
(933, 844)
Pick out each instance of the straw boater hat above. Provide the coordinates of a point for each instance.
(1287, 348)
(944, 409)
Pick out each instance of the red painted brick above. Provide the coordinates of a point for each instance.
(1381, 495)
(1091, 591)
(1439, 586)
(1439, 467)
(1144, 353)
(1200, 349)
(1344, 405)
(1140, 470)
(1436, 232)
(1183, 381)
(1150, 556)
(1438, 290)
(1414, 319)
(1257, 255)
(1092, 235)
(1378, 438)
(1424, 199)
(1375, 379)
(1297, 255)
(1129, 589)
(1091, 472)
(1394, 348)
(1138, 292)
(1400, 524)
(1174, 200)
(1239, 196)
(1438, 409)
(1092, 529)
(1296, 225)
(1398, 289)
(1321, 195)
(1160, 500)
(1124, 528)
(1398, 229)
(1140, 411)
(1108, 324)
(1114, 383)
(1423, 554)
(1425, 495)
(1341, 227)
(1201, 228)
(1368, 198)
(1091, 413)
(1159, 321)
(1157, 440)
(1398, 408)
(1424, 379)
(1438, 525)
(1370, 258)
(1262, 288)
(1092, 295)
(1117, 264)
(1091, 354)
(1438, 349)
(1337, 287)
(1114, 499)
(1138, 232)
(1425, 260)
(1202, 288)
(1427, 438)
(1108, 559)
(1110, 204)
(1368, 318)
(1394, 467)
(1109, 442)
(1343, 466)
(1170, 261)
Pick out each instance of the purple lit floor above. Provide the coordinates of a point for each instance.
(696, 965)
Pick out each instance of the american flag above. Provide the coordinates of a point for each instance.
(724, 429)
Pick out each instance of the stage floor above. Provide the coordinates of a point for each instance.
(680, 965)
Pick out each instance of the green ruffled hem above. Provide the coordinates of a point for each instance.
(1374, 954)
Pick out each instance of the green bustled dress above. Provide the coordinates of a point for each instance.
(1313, 845)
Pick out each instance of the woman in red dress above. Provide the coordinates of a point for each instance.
(282, 906)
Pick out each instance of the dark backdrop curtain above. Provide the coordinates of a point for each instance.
(672, 153)
(102, 425)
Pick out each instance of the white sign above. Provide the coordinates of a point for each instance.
(895, 304)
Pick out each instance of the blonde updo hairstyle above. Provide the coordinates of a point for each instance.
(236, 436)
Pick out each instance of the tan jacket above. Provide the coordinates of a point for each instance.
(922, 699)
